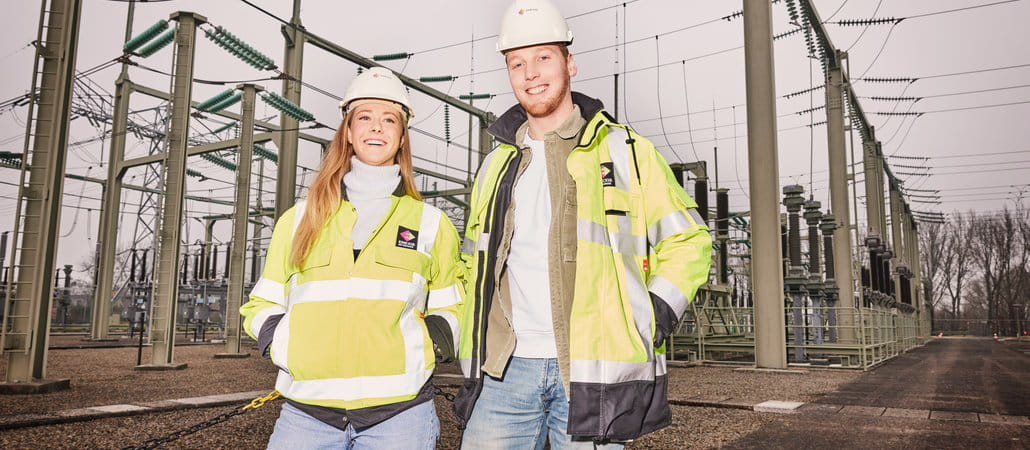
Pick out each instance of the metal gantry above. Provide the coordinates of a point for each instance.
(24, 334)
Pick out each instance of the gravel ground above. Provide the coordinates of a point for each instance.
(691, 428)
(106, 376)
(707, 381)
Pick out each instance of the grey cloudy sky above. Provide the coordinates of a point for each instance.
(979, 158)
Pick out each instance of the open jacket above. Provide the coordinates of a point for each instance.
(638, 252)
(348, 332)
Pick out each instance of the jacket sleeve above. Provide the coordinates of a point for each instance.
(267, 304)
(446, 290)
(679, 238)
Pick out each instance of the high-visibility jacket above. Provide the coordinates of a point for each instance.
(354, 334)
(642, 251)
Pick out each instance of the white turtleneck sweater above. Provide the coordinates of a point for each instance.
(369, 189)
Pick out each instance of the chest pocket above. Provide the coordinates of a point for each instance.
(316, 266)
(401, 263)
(619, 203)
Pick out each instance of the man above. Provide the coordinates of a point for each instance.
(583, 252)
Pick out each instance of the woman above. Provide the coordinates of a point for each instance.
(351, 279)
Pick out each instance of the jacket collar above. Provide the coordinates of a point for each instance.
(506, 128)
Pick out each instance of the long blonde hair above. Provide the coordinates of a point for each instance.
(324, 195)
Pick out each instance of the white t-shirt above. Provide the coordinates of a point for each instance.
(528, 272)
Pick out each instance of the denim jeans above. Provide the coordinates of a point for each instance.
(416, 428)
(524, 410)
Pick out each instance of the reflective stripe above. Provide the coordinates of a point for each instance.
(427, 231)
(661, 368)
(298, 215)
(670, 225)
(259, 319)
(670, 294)
(698, 220)
(623, 242)
(489, 159)
(350, 389)
(610, 372)
(620, 154)
(639, 299)
(592, 232)
(468, 246)
(413, 330)
(269, 290)
(281, 343)
(356, 288)
(466, 367)
(442, 298)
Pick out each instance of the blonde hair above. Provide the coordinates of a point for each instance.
(324, 196)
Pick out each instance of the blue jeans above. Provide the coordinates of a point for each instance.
(523, 411)
(416, 428)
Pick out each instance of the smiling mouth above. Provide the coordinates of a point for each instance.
(375, 142)
(536, 89)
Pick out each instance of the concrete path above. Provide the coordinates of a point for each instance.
(951, 393)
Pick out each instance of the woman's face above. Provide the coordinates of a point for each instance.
(376, 133)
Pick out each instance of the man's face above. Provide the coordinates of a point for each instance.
(540, 77)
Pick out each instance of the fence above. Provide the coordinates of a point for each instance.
(854, 338)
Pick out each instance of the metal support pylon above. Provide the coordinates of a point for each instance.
(111, 211)
(293, 65)
(166, 290)
(831, 291)
(238, 248)
(898, 237)
(839, 193)
(763, 171)
(25, 331)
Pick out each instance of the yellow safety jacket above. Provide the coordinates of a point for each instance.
(353, 332)
(642, 253)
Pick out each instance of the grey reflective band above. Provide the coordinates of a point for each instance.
(621, 242)
(670, 294)
(698, 220)
(592, 232)
(610, 372)
(619, 151)
(468, 246)
(670, 225)
(625, 242)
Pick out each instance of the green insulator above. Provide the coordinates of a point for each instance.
(194, 173)
(203, 106)
(145, 36)
(437, 79)
(392, 56)
(158, 44)
(266, 153)
(220, 162)
(223, 127)
(226, 103)
(475, 96)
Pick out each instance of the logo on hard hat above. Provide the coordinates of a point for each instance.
(523, 11)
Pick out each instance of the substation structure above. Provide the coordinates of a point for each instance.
(844, 296)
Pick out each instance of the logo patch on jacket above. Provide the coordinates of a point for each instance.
(407, 238)
(607, 174)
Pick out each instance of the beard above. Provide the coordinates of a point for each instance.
(544, 107)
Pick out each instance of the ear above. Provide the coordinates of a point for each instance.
(570, 66)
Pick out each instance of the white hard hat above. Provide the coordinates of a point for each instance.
(532, 22)
(377, 83)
